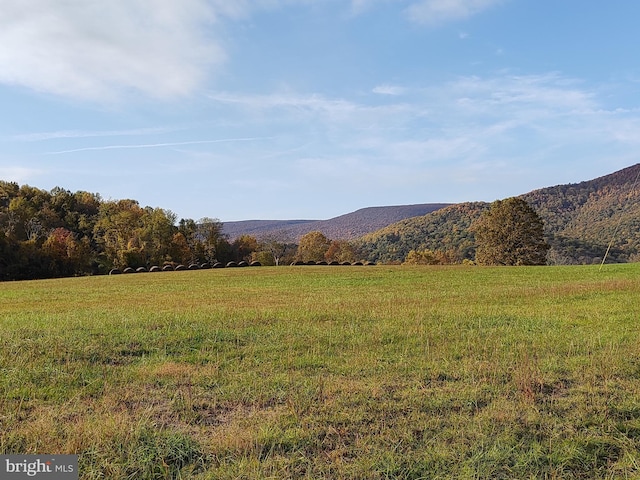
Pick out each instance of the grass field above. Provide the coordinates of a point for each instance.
(328, 372)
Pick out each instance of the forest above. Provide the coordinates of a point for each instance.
(57, 233)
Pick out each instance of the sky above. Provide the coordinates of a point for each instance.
(310, 109)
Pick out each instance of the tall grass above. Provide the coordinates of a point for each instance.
(328, 372)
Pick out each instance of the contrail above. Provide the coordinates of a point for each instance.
(158, 145)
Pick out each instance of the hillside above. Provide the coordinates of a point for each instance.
(345, 227)
(580, 221)
(445, 229)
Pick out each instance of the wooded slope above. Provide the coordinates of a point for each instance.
(580, 220)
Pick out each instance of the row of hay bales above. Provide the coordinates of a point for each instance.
(176, 268)
(332, 263)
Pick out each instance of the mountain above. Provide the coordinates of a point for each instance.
(345, 227)
(581, 220)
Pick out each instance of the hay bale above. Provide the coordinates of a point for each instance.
(334, 262)
(167, 268)
(205, 265)
(141, 270)
(370, 264)
(346, 263)
(218, 265)
(255, 263)
(243, 264)
(358, 263)
(232, 264)
(128, 270)
(322, 262)
(310, 262)
(180, 267)
(155, 268)
(194, 266)
(115, 271)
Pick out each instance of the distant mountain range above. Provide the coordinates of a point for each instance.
(345, 227)
(581, 220)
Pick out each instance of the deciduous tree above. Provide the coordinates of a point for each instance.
(510, 233)
(312, 247)
(340, 251)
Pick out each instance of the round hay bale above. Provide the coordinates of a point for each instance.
(310, 262)
(322, 262)
(141, 270)
(243, 264)
(115, 271)
(370, 263)
(180, 267)
(232, 264)
(194, 266)
(205, 265)
(218, 265)
(167, 268)
(128, 270)
(255, 263)
(155, 268)
(334, 262)
(346, 263)
(358, 264)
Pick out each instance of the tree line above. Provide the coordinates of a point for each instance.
(57, 233)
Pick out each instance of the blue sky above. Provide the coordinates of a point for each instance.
(282, 109)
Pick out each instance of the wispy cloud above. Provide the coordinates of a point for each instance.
(157, 145)
(61, 134)
(283, 100)
(393, 90)
(471, 130)
(435, 12)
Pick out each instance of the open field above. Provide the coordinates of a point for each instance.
(328, 372)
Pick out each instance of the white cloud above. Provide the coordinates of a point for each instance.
(435, 12)
(393, 90)
(100, 50)
(157, 145)
(43, 136)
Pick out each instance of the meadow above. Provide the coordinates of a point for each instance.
(374, 372)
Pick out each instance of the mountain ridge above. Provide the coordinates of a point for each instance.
(343, 227)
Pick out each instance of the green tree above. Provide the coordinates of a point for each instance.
(210, 238)
(277, 247)
(66, 255)
(421, 257)
(312, 247)
(118, 232)
(510, 233)
(157, 233)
